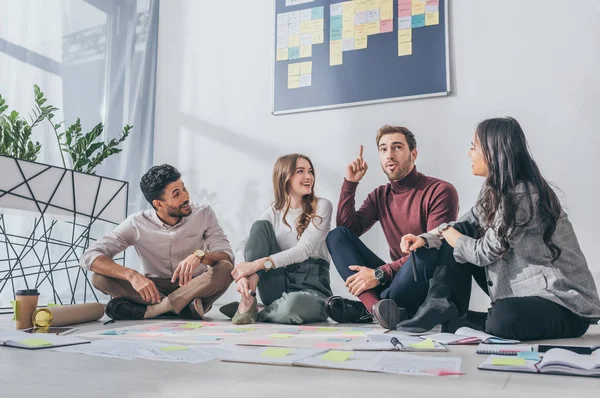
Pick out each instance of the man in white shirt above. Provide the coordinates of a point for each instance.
(186, 257)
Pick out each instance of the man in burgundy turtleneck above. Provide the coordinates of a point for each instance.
(410, 203)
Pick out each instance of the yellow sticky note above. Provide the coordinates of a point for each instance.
(432, 18)
(336, 356)
(306, 51)
(326, 328)
(418, 7)
(348, 7)
(373, 28)
(361, 5)
(318, 37)
(387, 10)
(282, 54)
(508, 361)
(49, 305)
(360, 43)
(318, 25)
(191, 326)
(348, 32)
(294, 41)
(293, 69)
(306, 68)
(404, 49)
(282, 335)
(335, 55)
(373, 4)
(348, 20)
(306, 27)
(274, 352)
(293, 82)
(404, 35)
(245, 329)
(35, 342)
(174, 348)
(361, 31)
(15, 305)
(425, 344)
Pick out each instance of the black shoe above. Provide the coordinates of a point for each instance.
(387, 313)
(192, 310)
(121, 309)
(343, 310)
(229, 309)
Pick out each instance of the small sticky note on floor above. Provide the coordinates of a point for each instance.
(280, 336)
(339, 339)
(326, 329)
(529, 355)
(337, 356)
(110, 333)
(426, 344)
(35, 342)
(275, 352)
(328, 345)
(206, 338)
(191, 326)
(174, 348)
(244, 329)
(508, 361)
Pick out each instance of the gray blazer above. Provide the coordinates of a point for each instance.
(525, 270)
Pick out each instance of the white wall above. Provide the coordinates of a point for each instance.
(526, 59)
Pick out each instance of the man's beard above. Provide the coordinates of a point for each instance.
(402, 170)
(177, 212)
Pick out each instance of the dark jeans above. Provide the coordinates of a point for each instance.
(518, 318)
(347, 249)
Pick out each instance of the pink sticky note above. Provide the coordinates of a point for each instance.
(386, 26)
(432, 2)
(404, 8)
(307, 327)
(209, 324)
(328, 345)
(262, 342)
(150, 334)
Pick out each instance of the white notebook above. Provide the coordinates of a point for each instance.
(555, 361)
(467, 335)
(30, 341)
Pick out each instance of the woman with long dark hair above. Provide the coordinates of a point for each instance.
(285, 255)
(521, 244)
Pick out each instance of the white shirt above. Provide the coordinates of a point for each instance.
(162, 247)
(294, 250)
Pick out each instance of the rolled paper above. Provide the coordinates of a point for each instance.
(65, 315)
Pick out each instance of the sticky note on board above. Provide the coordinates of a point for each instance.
(360, 43)
(306, 51)
(336, 356)
(508, 361)
(373, 28)
(404, 49)
(35, 342)
(172, 348)
(305, 69)
(386, 26)
(404, 8)
(282, 54)
(275, 352)
(404, 35)
(418, 21)
(418, 7)
(335, 56)
(318, 13)
(293, 69)
(387, 10)
(318, 37)
(432, 18)
(293, 82)
(294, 41)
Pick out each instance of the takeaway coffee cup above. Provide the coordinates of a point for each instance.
(26, 304)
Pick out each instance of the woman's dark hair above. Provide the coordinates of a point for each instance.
(510, 163)
(154, 182)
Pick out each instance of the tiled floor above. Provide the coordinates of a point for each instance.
(47, 373)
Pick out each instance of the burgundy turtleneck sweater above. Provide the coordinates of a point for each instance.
(413, 205)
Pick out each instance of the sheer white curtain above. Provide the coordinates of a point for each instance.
(95, 60)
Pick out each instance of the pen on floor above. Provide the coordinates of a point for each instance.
(414, 264)
(109, 322)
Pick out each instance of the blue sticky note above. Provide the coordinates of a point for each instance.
(110, 333)
(529, 355)
(206, 338)
(418, 21)
(339, 339)
(335, 34)
(294, 53)
(336, 22)
(317, 13)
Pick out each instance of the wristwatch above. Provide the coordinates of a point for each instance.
(443, 227)
(200, 254)
(380, 276)
(269, 264)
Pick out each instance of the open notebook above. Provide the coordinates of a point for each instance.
(30, 341)
(555, 361)
(467, 335)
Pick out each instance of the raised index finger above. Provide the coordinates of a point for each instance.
(360, 152)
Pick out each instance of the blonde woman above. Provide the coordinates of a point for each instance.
(285, 255)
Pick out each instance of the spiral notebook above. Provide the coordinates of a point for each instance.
(35, 342)
(503, 349)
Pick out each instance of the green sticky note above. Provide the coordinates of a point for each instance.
(15, 305)
(280, 336)
(508, 361)
(274, 352)
(326, 329)
(245, 329)
(425, 344)
(174, 348)
(336, 356)
(35, 342)
(191, 326)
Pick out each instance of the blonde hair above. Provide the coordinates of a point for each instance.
(284, 169)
